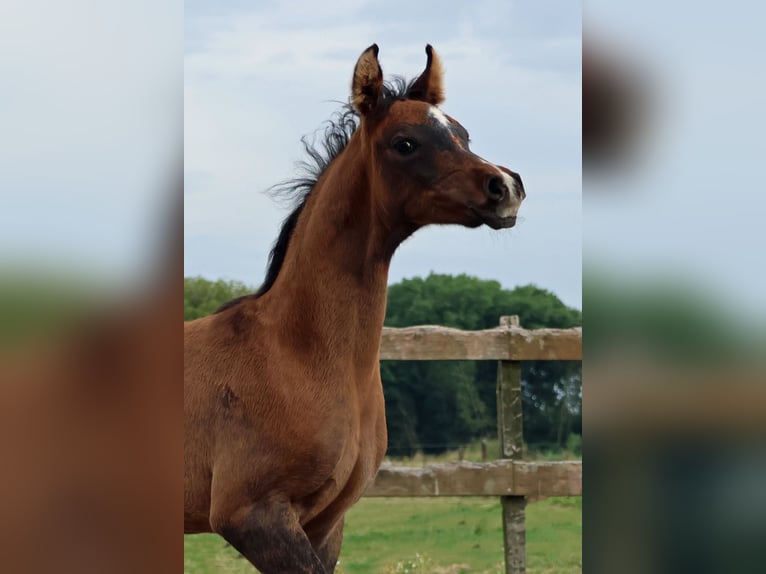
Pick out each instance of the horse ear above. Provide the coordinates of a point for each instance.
(367, 85)
(429, 86)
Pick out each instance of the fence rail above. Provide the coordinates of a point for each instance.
(534, 480)
(513, 480)
(512, 343)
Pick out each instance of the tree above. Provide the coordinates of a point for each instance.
(438, 405)
(202, 297)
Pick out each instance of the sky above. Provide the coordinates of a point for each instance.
(90, 135)
(258, 77)
(692, 205)
(91, 124)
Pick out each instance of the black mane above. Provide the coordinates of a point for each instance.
(337, 133)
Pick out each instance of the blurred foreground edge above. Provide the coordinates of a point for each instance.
(91, 434)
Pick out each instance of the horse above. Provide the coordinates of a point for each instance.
(285, 422)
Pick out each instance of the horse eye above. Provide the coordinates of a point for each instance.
(405, 146)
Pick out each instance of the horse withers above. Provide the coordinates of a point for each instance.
(284, 414)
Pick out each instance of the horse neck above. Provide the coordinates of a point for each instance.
(329, 298)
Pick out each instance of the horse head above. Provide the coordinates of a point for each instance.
(422, 169)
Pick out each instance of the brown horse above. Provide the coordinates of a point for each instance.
(284, 411)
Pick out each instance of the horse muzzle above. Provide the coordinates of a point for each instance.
(504, 192)
(494, 219)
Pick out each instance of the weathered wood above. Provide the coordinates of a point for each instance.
(510, 321)
(428, 342)
(499, 478)
(510, 432)
(546, 344)
(515, 482)
(509, 413)
(514, 534)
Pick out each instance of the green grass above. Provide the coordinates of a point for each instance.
(472, 453)
(429, 535)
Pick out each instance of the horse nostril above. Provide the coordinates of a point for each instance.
(496, 188)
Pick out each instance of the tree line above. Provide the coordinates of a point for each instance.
(434, 406)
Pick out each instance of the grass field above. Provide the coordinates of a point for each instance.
(428, 535)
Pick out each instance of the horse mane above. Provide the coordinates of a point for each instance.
(321, 152)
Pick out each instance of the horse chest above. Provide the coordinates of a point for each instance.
(354, 469)
(341, 489)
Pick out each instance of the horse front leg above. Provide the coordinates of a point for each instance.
(270, 537)
(329, 550)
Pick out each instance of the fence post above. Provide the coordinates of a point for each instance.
(509, 424)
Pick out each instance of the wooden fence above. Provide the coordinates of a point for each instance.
(513, 480)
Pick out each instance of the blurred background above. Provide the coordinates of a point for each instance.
(673, 297)
(91, 151)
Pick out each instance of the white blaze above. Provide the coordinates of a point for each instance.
(438, 115)
(513, 202)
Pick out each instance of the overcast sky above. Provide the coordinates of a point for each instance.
(90, 126)
(257, 78)
(693, 207)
